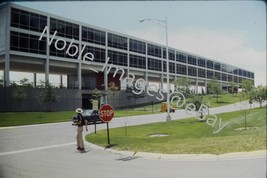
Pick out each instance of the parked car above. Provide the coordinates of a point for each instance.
(90, 115)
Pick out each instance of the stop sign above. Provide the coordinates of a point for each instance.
(106, 113)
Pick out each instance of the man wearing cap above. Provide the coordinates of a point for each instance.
(80, 123)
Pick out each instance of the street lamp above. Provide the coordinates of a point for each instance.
(164, 23)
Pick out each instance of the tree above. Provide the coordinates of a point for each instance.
(215, 88)
(48, 95)
(259, 95)
(182, 85)
(19, 92)
(248, 90)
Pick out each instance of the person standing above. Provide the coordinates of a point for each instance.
(80, 123)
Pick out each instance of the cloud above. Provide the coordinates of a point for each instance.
(223, 46)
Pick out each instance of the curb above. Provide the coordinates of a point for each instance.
(185, 157)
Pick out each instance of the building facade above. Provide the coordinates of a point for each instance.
(39, 42)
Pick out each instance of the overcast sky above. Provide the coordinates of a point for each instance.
(233, 32)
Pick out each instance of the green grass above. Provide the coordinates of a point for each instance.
(28, 118)
(190, 136)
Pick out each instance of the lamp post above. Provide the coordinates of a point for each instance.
(164, 23)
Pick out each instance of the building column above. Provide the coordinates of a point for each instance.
(61, 81)
(7, 52)
(7, 69)
(34, 80)
(197, 85)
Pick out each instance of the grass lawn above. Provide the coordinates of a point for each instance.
(190, 136)
(27, 118)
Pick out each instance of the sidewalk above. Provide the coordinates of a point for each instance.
(181, 114)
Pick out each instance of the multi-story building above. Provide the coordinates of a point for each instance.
(25, 46)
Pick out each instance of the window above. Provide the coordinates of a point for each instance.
(217, 66)
(192, 60)
(117, 58)
(230, 78)
(117, 41)
(154, 64)
(171, 67)
(27, 43)
(210, 64)
(171, 54)
(64, 29)
(192, 71)
(137, 46)
(137, 61)
(218, 75)
(181, 69)
(202, 73)
(181, 58)
(201, 62)
(93, 36)
(99, 53)
(27, 20)
(224, 77)
(210, 74)
(153, 50)
(62, 53)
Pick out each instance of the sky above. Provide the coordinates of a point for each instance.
(232, 32)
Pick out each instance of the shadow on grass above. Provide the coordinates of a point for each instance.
(111, 145)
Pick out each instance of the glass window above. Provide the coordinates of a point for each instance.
(181, 58)
(99, 53)
(202, 73)
(27, 43)
(137, 46)
(224, 67)
(64, 29)
(117, 58)
(210, 64)
(171, 54)
(171, 67)
(230, 78)
(224, 77)
(209, 74)
(137, 61)
(217, 66)
(218, 75)
(153, 50)
(201, 62)
(117, 41)
(27, 20)
(154, 64)
(93, 35)
(192, 60)
(181, 69)
(192, 71)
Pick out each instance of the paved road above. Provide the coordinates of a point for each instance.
(48, 150)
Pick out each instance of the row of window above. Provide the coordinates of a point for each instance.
(30, 43)
(27, 20)
(36, 22)
(27, 43)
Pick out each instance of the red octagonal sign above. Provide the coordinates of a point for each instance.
(106, 113)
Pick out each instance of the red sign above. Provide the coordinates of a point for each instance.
(106, 113)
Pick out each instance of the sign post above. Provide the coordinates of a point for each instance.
(106, 113)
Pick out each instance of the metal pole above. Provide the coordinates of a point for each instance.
(168, 118)
(108, 134)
